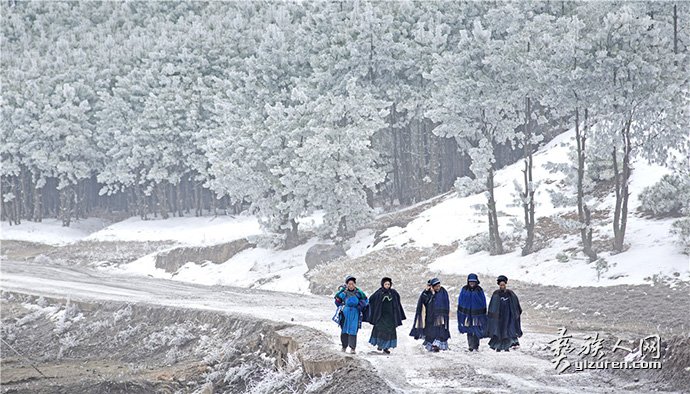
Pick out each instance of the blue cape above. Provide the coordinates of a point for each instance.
(472, 311)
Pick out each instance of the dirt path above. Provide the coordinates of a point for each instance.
(409, 369)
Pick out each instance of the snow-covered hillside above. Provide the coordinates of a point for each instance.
(652, 250)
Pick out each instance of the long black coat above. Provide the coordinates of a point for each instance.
(504, 318)
(376, 305)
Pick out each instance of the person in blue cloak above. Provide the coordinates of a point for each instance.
(351, 302)
(503, 326)
(472, 312)
(431, 319)
(385, 313)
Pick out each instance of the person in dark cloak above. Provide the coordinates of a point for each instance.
(431, 319)
(503, 326)
(351, 302)
(472, 312)
(385, 313)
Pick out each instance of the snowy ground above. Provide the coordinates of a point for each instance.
(409, 369)
(644, 290)
(51, 231)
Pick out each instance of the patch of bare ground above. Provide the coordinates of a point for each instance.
(117, 347)
(402, 217)
(105, 253)
(23, 250)
(406, 266)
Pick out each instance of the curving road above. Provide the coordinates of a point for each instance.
(408, 369)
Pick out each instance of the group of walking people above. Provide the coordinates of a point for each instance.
(500, 322)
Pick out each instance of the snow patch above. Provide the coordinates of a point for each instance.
(51, 231)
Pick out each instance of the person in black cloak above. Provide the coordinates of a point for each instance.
(503, 326)
(432, 317)
(472, 312)
(385, 313)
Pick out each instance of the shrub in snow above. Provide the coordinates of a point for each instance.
(599, 168)
(668, 197)
(96, 327)
(155, 340)
(174, 355)
(681, 228)
(123, 337)
(181, 337)
(66, 343)
(173, 336)
(62, 324)
(477, 243)
(8, 332)
(124, 313)
(467, 186)
(42, 259)
(42, 302)
(562, 257)
(31, 317)
(261, 376)
(267, 241)
(601, 266)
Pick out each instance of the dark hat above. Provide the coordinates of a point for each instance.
(434, 281)
(386, 279)
(350, 278)
(472, 278)
(501, 278)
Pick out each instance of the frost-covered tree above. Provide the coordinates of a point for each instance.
(335, 163)
(473, 107)
(251, 159)
(644, 96)
(573, 98)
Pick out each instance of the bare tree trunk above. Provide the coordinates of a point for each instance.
(180, 200)
(162, 198)
(213, 201)
(78, 208)
(10, 208)
(173, 199)
(66, 199)
(620, 217)
(528, 193)
(142, 206)
(397, 184)
(408, 178)
(26, 197)
(16, 203)
(3, 205)
(37, 215)
(583, 212)
(342, 229)
(495, 241)
(188, 198)
(199, 203)
(675, 32)
(291, 235)
(370, 197)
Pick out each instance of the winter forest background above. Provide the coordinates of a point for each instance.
(281, 109)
